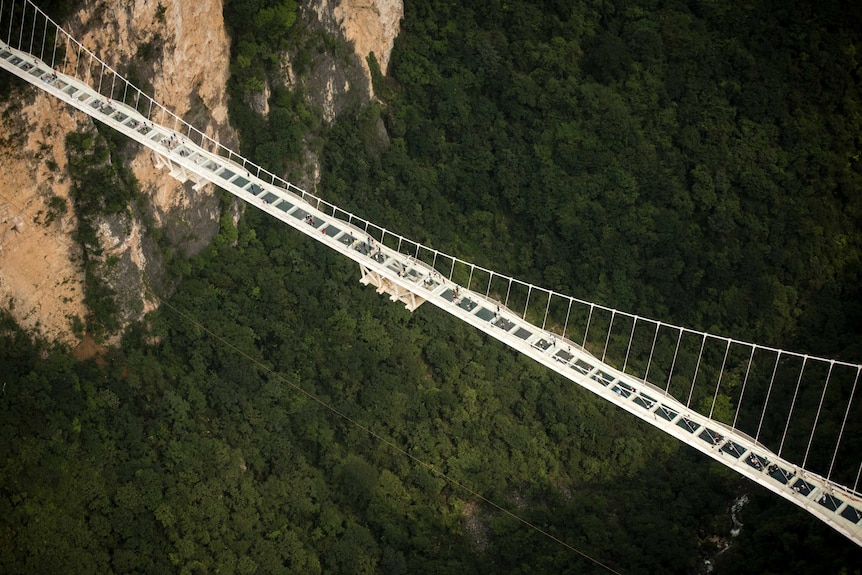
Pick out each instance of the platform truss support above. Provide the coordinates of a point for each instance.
(179, 172)
(384, 285)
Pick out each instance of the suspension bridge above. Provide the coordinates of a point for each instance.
(785, 420)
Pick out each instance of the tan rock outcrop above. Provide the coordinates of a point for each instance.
(41, 281)
(181, 50)
(189, 69)
(371, 25)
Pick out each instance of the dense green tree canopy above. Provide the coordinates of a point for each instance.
(694, 161)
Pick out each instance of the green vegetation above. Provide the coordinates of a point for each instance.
(189, 455)
(685, 161)
(260, 31)
(101, 187)
(696, 162)
(261, 35)
(183, 454)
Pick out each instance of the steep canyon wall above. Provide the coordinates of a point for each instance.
(178, 51)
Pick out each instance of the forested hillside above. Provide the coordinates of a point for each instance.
(695, 162)
(692, 161)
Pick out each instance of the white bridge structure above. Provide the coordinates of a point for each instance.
(734, 401)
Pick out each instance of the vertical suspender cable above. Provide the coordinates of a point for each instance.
(78, 57)
(490, 279)
(508, 291)
(470, 279)
(792, 405)
(608, 339)
(66, 51)
(768, 393)
(547, 308)
(744, 381)
(89, 77)
(673, 363)
(527, 303)
(631, 339)
(21, 31)
(11, 18)
(568, 312)
(652, 349)
(843, 423)
(32, 32)
(3, 13)
(720, 375)
(587, 329)
(696, 369)
(817, 417)
(54, 47)
(44, 37)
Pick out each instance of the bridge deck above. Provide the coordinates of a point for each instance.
(833, 504)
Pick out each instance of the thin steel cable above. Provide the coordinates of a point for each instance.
(44, 37)
(387, 442)
(720, 375)
(843, 423)
(53, 48)
(768, 393)
(696, 369)
(631, 339)
(547, 308)
(608, 339)
(587, 329)
(32, 34)
(21, 32)
(566, 323)
(742, 392)
(817, 417)
(673, 363)
(11, 20)
(792, 405)
(652, 350)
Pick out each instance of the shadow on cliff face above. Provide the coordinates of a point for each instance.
(87, 348)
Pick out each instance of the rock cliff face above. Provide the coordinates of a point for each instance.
(371, 25)
(368, 26)
(179, 51)
(340, 78)
(41, 281)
